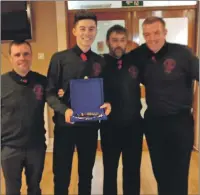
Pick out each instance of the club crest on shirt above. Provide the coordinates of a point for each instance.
(133, 71)
(96, 69)
(39, 91)
(169, 65)
(119, 64)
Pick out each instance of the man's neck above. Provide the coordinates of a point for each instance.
(22, 74)
(116, 57)
(84, 49)
(159, 49)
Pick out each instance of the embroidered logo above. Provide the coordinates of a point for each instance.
(153, 58)
(169, 65)
(119, 64)
(133, 71)
(38, 90)
(96, 69)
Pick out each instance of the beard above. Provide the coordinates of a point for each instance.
(117, 52)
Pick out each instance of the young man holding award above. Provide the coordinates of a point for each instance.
(65, 68)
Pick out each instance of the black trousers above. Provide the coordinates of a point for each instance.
(170, 141)
(14, 160)
(65, 140)
(128, 141)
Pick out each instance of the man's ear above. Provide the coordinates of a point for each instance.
(10, 58)
(74, 31)
(166, 31)
(107, 43)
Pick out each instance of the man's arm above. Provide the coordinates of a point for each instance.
(193, 65)
(53, 76)
(134, 56)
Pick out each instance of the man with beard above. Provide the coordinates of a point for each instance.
(169, 70)
(122, 132)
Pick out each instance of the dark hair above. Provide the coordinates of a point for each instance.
(153, 19)
(18, 42)
(84, 14)
(116, 28)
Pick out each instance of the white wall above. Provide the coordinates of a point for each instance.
(168, 3)
(118, 4)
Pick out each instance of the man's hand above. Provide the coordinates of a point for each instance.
(61, 93)
(107, 108)
(68, 114)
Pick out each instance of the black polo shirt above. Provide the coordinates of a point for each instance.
(64, 66)
(122, 89)
(168, 77)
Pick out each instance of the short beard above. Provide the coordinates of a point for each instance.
(112, 52)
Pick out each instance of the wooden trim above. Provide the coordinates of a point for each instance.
(191, 14)
(196, 85)
(67, 24)
(131, 9)
(196, 114)
(198, 28)
(132, 18)
(195, 148)
(129, 24)
(62, 36)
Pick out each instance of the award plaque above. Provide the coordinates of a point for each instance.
(86, 96)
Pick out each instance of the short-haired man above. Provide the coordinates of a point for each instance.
(169, 70)
(74, 63)
(22, 121)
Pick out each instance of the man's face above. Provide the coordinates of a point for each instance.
(21, 58)
(117, 44)
(154, 35)
(85, 32)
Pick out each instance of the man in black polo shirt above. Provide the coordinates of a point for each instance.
(74, 63)
(168, 74)
(22, 122)
(122, 132)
